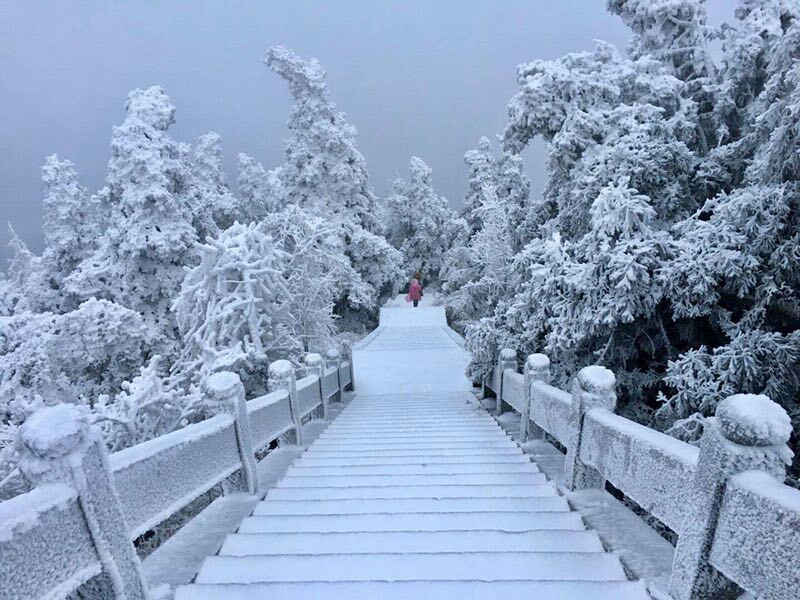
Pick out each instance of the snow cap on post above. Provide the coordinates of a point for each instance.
(753, 420)
(312, 359)
(508, 354)
(281, 369)
(223, 391)
(537, 367)
(47, 440)
(595, 387)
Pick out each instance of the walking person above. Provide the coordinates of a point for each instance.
(414, 292)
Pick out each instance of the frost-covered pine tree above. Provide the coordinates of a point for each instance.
(260, 191)
(326, 175)
(71, 227)
(481, 183)
(233, 309)
(419, 222)
(213, 205)
(47, 358)
(315, 266)
(150, 238)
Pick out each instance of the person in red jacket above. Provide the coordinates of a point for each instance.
(414, 292)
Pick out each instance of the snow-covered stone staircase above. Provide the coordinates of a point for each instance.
(413, 494)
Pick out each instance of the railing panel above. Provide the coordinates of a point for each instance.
(46, 549)
(494, 380)
(514, 390)
(344, 374)
(757, 539)
(308, 394)
(270, 417)
(331, 382)
(159, 477)
(654, 469)
(551, 410)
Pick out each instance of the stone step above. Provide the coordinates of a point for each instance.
(409, 505)
(507, 449)
(420, 590)
(413, 491)
(402, 480)
(348, 461)
(482, 566)
(412, 469)
(501, 521)
(243, 544)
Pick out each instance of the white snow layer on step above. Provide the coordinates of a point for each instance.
(412, 492)
(422, 590)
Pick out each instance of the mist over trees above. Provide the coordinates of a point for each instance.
(665, 244)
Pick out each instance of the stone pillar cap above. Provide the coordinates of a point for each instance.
(508, 354)
(537, 361)
(222, 382)
(595, 378)
(280, 369)
(753, 420)
(55, 431)
(312, 358)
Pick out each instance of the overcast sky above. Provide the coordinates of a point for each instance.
(416, 77)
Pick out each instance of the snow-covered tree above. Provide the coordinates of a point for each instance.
(144, 409)
(71, 226)
(419, 222)
(260, 191)
(481, 183)
(326, 175)
(315, 269)
(47, 358)
(213, 204)
(233, 309)
(150, 237)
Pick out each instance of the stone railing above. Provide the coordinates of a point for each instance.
(86, 507)
(738, 525)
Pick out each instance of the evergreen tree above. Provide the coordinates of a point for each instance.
(326, 175)
(419, 222)
(214, 206)
(150, 238)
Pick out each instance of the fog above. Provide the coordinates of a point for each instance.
(420, 77)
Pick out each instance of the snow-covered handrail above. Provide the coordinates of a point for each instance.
(86, 507)
(737, 523)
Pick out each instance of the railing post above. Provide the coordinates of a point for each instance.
(316, 366)
(749, 432)
(347, 353)
(507, 360)
(282, 377)
(225, 392)
(537, 368)
(333, 358)
(592, 388)
(58, 444)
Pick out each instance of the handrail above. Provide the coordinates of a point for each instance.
(733, 529)
(57, 536)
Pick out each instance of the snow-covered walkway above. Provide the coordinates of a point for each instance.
(413, 492)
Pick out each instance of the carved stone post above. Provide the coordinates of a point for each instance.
(333, 358)
(593, 388)
(58, 444)
(537, 368)
(347, 354)
(316, 366)
(225, 392)
(282, 377)
(749, 432)
(506, 360)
